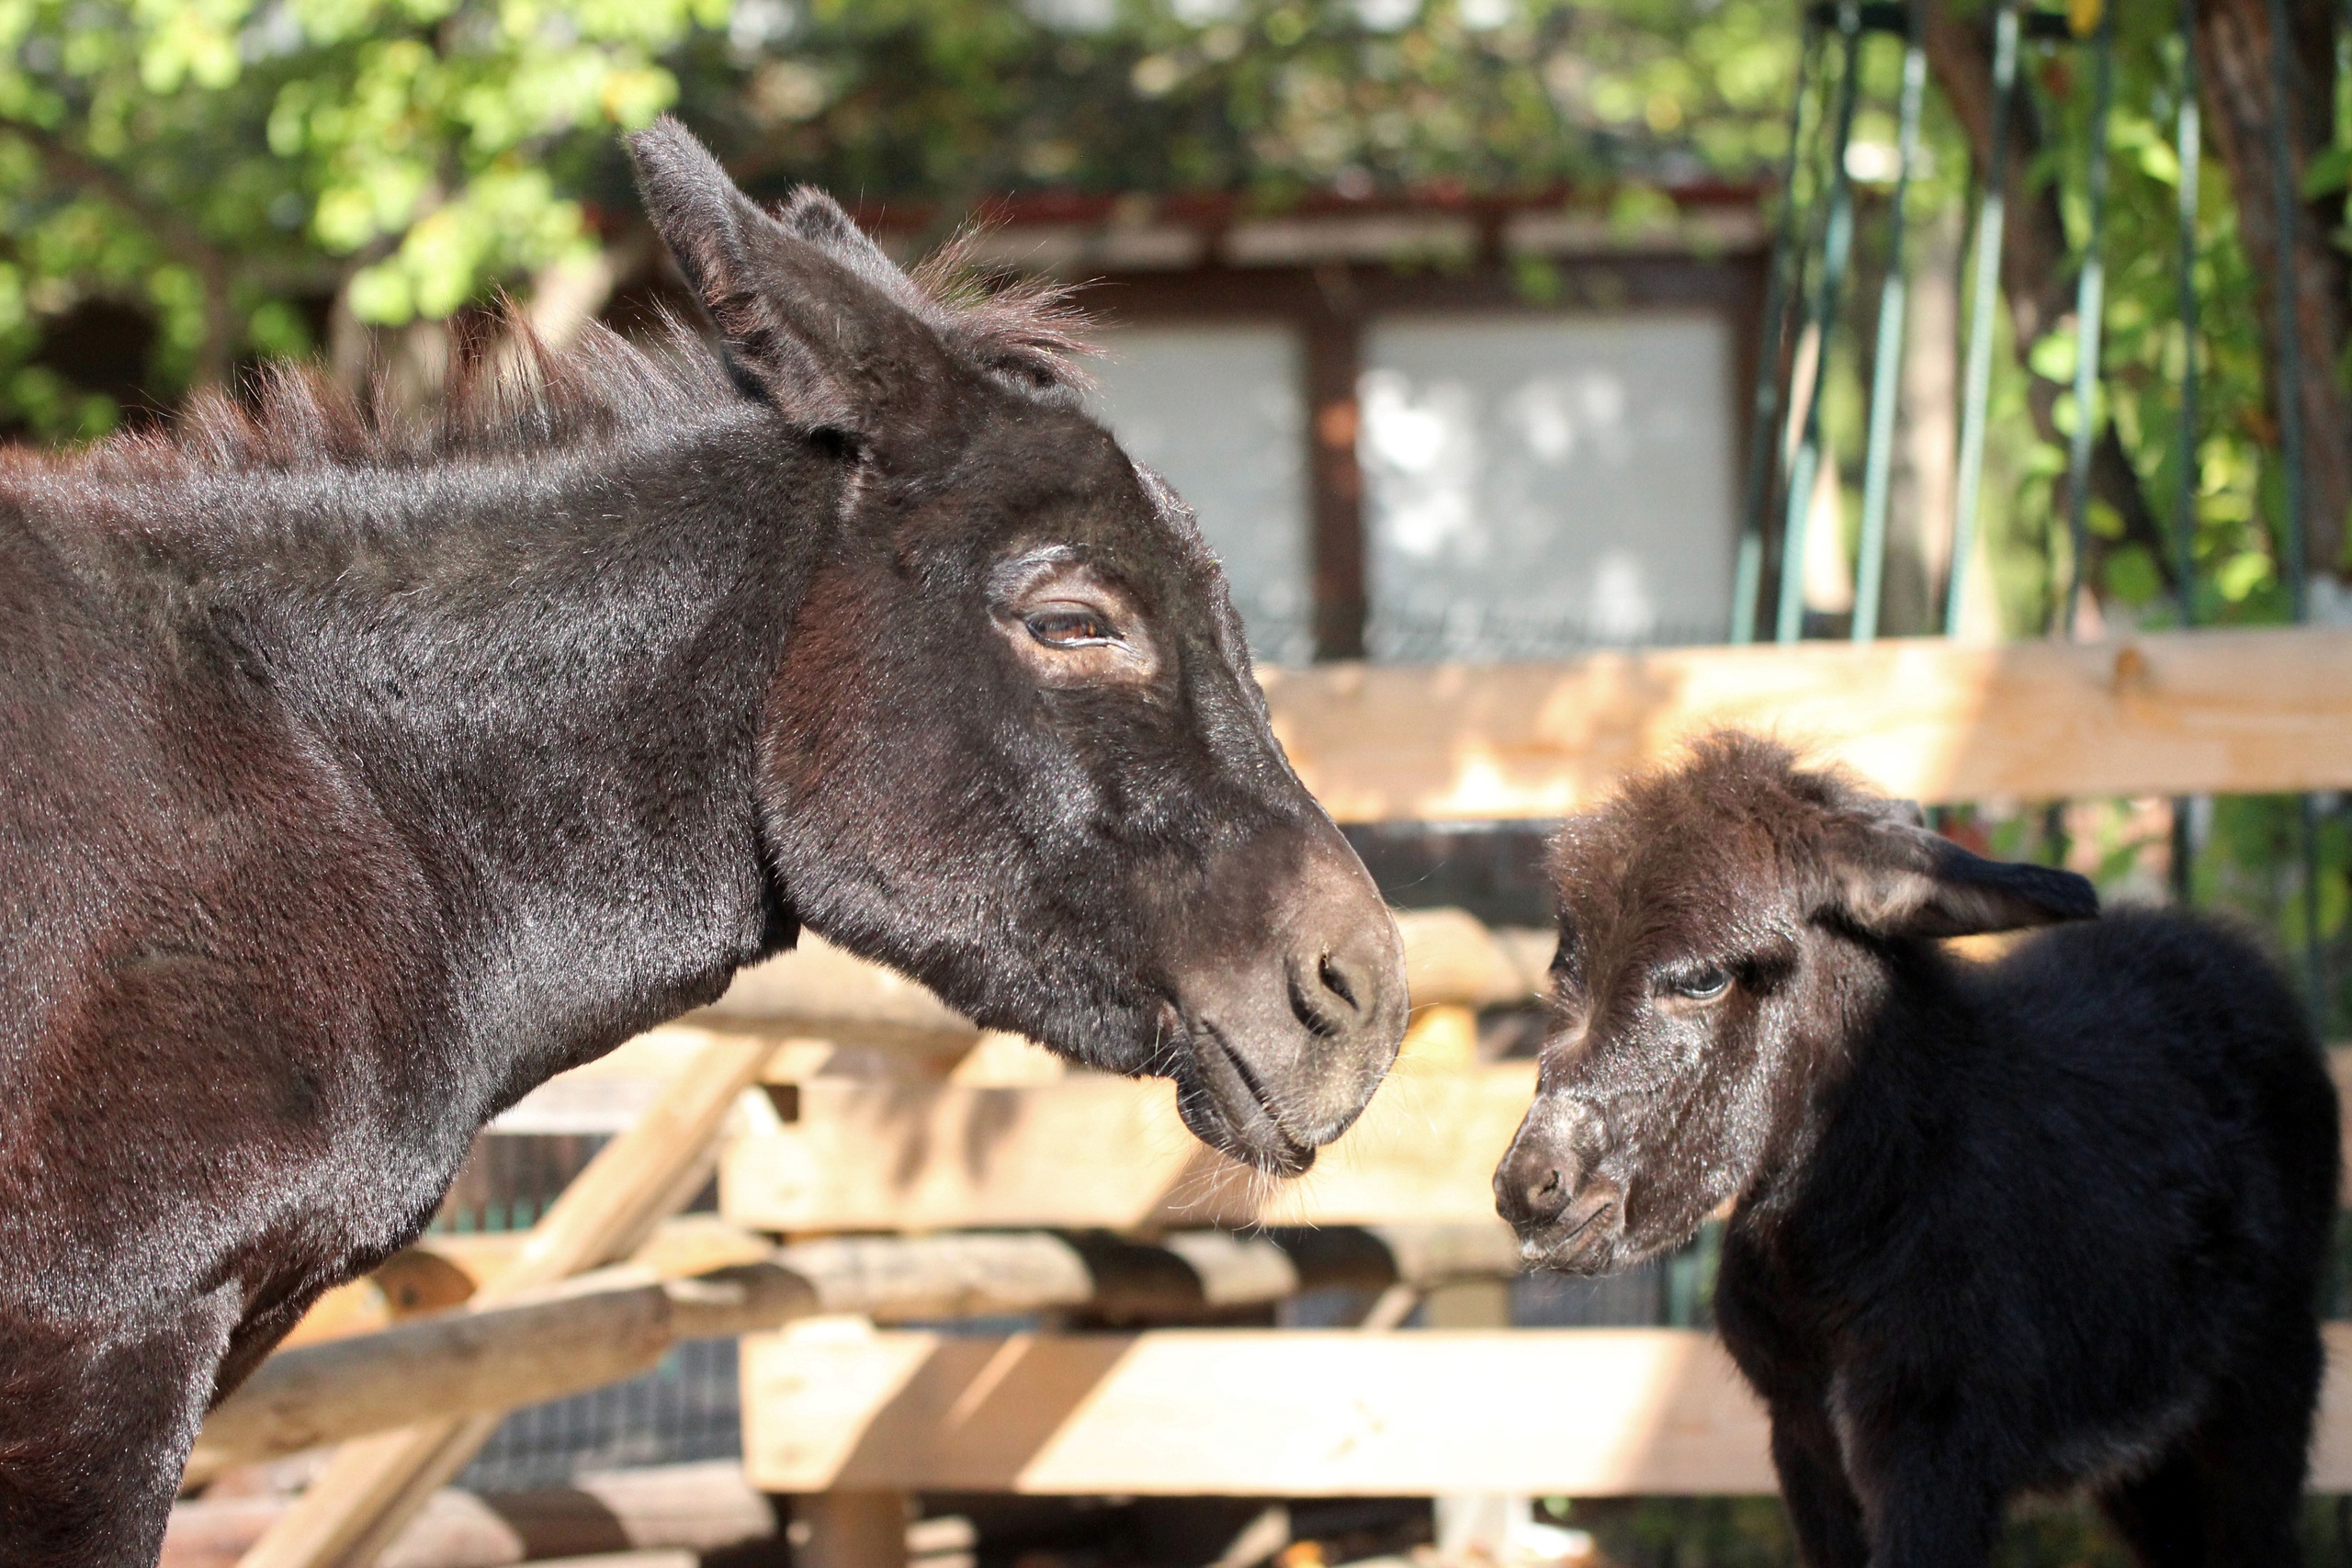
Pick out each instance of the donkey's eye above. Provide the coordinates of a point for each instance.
(1070, 625)
(1702, 983)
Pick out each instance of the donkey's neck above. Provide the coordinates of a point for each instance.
(546, 677)
(1873, 1089)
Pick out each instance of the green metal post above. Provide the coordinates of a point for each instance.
(2292, 567)
(1764, 435)
(1869, 567)
(2293, 564)
(1985, 294)
(2090, 304)
(1839, 242)
(2189, 145)
(2188, 141)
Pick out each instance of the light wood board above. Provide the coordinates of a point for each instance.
(1091, 1151)
(2175, 713)
(1593, 1412)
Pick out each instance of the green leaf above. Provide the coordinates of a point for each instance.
(2133, 577)
(2329, 171)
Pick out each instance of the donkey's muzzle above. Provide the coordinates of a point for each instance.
(1288, 1036)
(1565, 1215)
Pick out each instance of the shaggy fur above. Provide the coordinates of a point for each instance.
(2054, 1220)
(362, 775)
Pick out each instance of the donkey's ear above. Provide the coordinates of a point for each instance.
(815, 317)
(1893, 877)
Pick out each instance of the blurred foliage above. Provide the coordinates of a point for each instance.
(219, 168)
(947, 99)
(226, 170)
(2143, 347)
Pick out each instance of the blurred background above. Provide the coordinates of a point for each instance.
(1475, 330)
(1454, 320)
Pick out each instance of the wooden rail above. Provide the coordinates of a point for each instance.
(603, 1327)
(1108, 1152)
(687, 1509)
(1586, 1412)
(2175, 713)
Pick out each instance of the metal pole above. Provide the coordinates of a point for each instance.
(1984, 297)
(2292, 567)
(2090, 301)
(1764, 439)
(2189, 145)
(2291, 563)
(1790, 620)
(1870, 568)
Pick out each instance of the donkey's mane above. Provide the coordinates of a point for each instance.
(515, 395)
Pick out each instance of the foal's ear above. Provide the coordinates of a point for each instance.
(815, 317)
(1893, 877)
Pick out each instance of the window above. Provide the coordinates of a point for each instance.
(1219, 411)
(1538, 484)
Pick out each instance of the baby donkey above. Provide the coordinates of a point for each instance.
(2049, 1221)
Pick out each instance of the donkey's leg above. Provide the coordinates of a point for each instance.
(93, 1437)
(1823, 1511)
(2161, 1516)
(2252, 1449)
(1927, 1499)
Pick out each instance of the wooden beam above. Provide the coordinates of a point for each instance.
(1298, 1413)
(701, 1507)
(603, 1327)
(852, 1529)
(1094, 1151)
(1091, 1151)
(596, 1330)
(2173, 713)
(821, 991)
(1593, 1412)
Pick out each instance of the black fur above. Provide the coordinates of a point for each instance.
(360, 777)
(2056, 1218)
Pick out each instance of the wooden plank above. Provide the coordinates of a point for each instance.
(2171, 712)
(1586, 1412)
(599, 1328)
(591, 1331)
(704, 1507)
(819, 990)
(852, 1530)
(1094, 1151)
(1550, 1412)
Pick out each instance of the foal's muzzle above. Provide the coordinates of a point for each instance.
(1566, 1217)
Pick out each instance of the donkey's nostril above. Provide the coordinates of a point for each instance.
(1546, 1197)
(1336, 981)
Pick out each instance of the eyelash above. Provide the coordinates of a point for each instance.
(1702, 984)
(1071, 628)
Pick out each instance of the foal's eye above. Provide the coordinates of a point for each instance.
(1704, 983)
(1070, 625)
